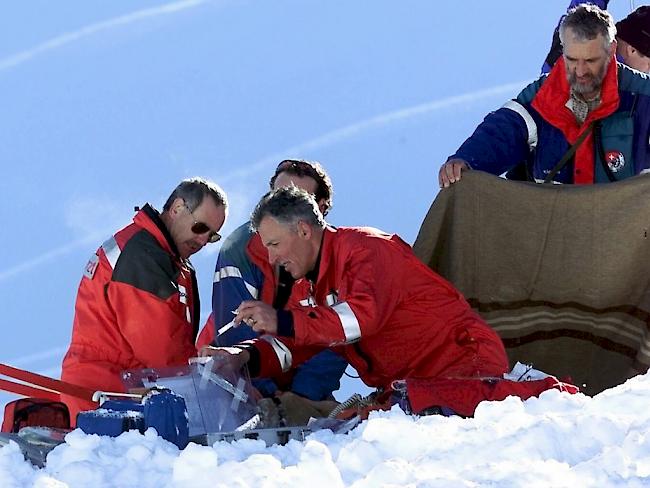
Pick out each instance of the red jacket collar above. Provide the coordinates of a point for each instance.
(552, 97)
(149, 219)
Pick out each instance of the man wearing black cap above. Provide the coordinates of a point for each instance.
(633, 35)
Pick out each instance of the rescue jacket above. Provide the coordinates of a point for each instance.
(537, 129)
(382, 309)
(137, 307)
(243, 272)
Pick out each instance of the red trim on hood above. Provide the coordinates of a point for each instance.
(142, 220)
(550, 102)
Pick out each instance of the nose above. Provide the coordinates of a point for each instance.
(581, 69)
(202, 239)
(273, 257)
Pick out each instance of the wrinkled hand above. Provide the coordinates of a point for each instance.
(450, 172)
(259, 315)
(230, 357)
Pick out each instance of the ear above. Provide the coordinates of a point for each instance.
(612, 48)
(178, 206)
(322, 206)
(304, 230)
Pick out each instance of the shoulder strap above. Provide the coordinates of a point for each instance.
(569, 154)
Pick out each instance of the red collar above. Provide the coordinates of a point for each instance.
(552, 97)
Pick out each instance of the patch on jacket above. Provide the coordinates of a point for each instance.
(91, 267)
(615, 161)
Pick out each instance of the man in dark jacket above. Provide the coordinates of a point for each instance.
(243, 272)
(589, 103)
(138, 303)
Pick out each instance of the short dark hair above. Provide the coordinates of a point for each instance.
(312, 169)
(288, 206)
(587, 21)
(194, 190)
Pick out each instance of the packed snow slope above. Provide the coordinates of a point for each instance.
(557, 440)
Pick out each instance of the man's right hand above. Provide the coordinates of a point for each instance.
(233, 357)
(450, 172)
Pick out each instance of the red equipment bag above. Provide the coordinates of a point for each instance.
(27, 412)
(42, 407)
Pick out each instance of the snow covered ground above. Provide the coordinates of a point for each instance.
(557, 440)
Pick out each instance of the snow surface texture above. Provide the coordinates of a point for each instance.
(557, 440)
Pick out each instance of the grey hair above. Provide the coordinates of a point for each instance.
(586, 22)
(194, 190)
(288, 205)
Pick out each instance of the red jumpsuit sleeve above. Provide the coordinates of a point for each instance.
(367, 296)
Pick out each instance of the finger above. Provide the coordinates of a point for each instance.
(443, 178)
(246, 304)
(207, 351)
(258, 327)
(441, 182)
(449, 174)
(458, 168)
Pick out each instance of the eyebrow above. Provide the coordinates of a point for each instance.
(575, 59)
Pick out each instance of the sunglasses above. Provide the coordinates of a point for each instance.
(200, 228)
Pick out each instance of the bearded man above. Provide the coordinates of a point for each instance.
(587, 122)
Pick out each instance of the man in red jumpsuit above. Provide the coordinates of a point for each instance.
(138, 303)
(364, 294)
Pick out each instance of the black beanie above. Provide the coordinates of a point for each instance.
(635, 29)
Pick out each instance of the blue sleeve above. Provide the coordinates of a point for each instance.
(498, 143)
(236, 279)
(318, 377)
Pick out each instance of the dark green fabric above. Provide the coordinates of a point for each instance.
(561, 272)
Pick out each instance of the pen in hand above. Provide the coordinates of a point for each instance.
(228, 326)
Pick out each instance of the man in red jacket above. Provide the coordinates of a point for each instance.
(365, 294)
(138, 303)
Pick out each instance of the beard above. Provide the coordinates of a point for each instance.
(593, 81)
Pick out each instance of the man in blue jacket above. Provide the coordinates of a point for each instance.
(587, 122)
(243, 272)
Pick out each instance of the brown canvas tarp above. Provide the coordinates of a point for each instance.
(561, 272)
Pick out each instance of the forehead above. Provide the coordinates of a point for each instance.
(272, 230)
(590, 49)
(210, 213)
(306, 183)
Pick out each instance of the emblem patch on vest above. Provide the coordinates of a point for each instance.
(91, 267)
(615, 161)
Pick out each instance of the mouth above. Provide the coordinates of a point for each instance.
(194, 247)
